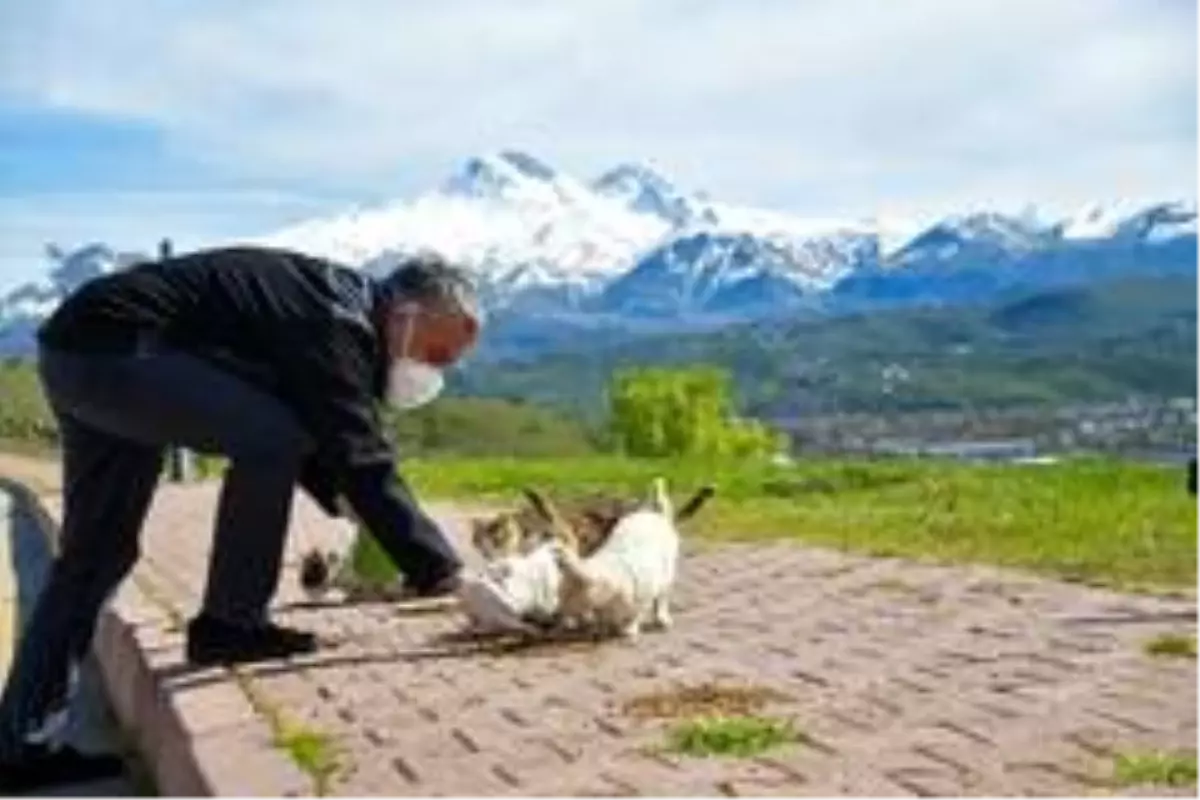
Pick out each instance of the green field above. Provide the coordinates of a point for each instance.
(1115, 523)
(1111, 522)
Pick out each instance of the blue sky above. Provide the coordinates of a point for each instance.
(130, 119)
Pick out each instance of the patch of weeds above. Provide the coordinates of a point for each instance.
(733, 737)
(702, 700)
(313, 751)
(1172, 645)
(1177, 770)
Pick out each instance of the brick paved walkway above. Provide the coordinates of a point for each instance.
(908, 679)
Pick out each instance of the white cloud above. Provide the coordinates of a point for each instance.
(823, 106)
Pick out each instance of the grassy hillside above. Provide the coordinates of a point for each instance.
(24, 415)
(450, 426)
(1084, 343)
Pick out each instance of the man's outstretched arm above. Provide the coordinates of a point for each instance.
(383, 503)
(329, 381)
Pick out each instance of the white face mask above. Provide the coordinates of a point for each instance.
(412, 383)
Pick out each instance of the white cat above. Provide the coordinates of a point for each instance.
(626, 584)
(622, 586)
(517, 588)
(531, 581)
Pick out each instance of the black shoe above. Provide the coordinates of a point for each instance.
(444, 587)
(399, 591)
(214, 641)
(38, 768)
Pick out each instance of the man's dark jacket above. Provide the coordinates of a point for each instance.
(302, 329)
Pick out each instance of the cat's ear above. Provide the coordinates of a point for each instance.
(510, 536)
(562, 530)
(538, 503)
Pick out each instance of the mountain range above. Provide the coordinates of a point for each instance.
(630, 251)
(1126, 340)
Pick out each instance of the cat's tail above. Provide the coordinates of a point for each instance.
(695, 503)
(660, 501)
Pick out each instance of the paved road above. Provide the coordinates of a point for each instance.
(24, 558)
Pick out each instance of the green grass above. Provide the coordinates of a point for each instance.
(1121, 524)
(734, 737)
(1172, 645)
(313, 752)
(368, 562)
(1176, 770)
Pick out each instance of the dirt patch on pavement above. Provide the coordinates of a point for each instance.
(703, 700)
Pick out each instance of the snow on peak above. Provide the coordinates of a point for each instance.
(519, 222)
(976, 232)
(75, 268)
(499, 174)
(508, 215)
(1132, 219)
(632, 179)
(641, 189)
(511, 177)
(1009, 232)
(71, 269)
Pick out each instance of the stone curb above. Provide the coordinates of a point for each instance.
(197, 733)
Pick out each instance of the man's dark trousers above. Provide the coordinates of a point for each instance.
(116, 414)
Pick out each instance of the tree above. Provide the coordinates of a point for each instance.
(658, 412)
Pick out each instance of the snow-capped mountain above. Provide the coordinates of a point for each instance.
(513, 219)
(632, 245)
(535, 235)
(979, 238)
(23, 309)
(717, 273)
(1157, 222)
(642, 190)
(969, 257)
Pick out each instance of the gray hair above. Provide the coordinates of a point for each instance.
(427, 279)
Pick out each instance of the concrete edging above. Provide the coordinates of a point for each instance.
(183, 754)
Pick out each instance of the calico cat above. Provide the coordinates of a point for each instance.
(626, 583)
(518, 532)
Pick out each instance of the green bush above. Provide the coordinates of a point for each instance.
(683, 412)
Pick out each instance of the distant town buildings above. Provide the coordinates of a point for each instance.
(1139, 427)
